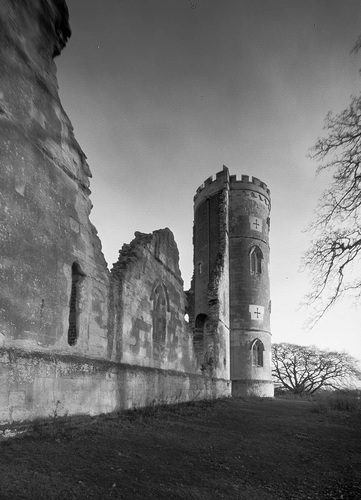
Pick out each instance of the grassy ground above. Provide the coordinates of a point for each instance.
(232, 449)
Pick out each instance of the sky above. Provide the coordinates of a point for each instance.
(163, 93)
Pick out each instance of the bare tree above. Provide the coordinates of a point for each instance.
(302, 369)
(334, 257)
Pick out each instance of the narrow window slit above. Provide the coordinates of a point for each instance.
(76, 277)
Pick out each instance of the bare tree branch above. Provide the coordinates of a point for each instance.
(335, 251)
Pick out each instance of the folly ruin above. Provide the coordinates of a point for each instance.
(83, 339)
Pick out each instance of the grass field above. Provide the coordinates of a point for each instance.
(231, 449)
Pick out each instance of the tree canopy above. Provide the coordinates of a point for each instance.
(306, 369)
(334, 256)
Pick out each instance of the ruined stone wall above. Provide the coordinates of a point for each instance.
(144, 368)
(149, 300)
(44, 197)
(75, 338)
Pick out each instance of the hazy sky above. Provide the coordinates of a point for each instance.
(162, 93)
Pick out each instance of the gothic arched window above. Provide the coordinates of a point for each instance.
(257, 349)
(256, 256)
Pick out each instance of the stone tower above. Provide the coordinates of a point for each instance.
(229, 300)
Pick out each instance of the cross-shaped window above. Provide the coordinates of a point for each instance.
(257, 312)
(255, 223)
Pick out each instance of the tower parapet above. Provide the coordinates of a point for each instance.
(253, 185)
(212, 186)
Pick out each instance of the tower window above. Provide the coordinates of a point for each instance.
(76, 277)
(256, 257)
(257, 349)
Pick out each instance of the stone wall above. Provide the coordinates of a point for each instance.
(44, 197)
(149, 300)
(43, 385)
(75, 338)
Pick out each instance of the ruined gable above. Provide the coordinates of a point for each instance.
(149, 304)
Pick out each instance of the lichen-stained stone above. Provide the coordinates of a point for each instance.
(44, 193)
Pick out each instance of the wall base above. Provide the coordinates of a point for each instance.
(40, 385)
(261, 388)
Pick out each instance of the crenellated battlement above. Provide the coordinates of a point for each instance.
(225, 181)
(246, 180)
(222, 177)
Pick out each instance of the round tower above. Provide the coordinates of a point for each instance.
(250, 304)
(229, 300)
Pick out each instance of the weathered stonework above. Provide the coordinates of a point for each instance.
(44, 197)
(38, 385)
(230, 293)
(149, 262)
(209, 294)
(76, 338)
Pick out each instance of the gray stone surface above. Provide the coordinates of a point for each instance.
(75, 337)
